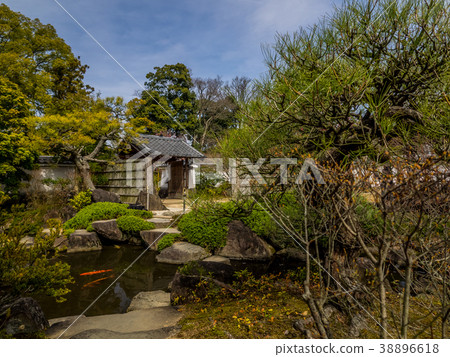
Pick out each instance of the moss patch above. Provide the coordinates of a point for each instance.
(265, 307)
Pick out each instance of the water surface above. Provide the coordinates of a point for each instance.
(144, 275)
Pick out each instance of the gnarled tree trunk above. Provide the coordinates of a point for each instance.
(85, 172)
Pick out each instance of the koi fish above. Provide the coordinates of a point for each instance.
(96, 272)
(92, 283)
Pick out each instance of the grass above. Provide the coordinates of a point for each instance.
(261, 308)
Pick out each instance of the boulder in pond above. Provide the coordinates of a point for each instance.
(243, 243)
(99, 195)
(152, 236)
(109, 231)
(83, 241)
(23, 317)
(220, 267)
(182, 253)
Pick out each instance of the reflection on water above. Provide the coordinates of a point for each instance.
(122, 295)
(144, 275)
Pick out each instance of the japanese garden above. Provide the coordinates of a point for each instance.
(309, 203)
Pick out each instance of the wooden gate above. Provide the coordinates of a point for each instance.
(176, 179)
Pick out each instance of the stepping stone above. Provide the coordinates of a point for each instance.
(182, 253)
(169, 213)
(136, 323)
(149, 299)
(160, 222)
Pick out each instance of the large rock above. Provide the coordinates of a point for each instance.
(109, 231)
(182, 253)
(154, 202)
(150, 237)
(219, 267)
(149, 299)
(99, 195)
(24, 317)
(83, 241)
(243, 243)
(61, 243)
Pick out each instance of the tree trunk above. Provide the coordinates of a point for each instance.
(307, 296)
(85, 171)
(406, 294)
(383, 309)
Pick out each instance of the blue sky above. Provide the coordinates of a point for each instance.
(221, 37)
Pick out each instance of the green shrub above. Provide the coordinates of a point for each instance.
(206, 224)
(133, 224)
(68, 232)
(81, 200)
(167, 240)
(205, 227)
(102, 211)
(22, 221)
(259, 222)
(32, 270)
(100, 179)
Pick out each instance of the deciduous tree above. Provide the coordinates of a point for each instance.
(81, 135)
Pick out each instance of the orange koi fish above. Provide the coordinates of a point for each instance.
(96, 272)
(92, 283)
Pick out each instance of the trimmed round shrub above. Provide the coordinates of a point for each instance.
(206, 225)
(133, 224)
(202, 226)
(102, 211)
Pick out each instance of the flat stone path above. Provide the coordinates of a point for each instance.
(160, 222)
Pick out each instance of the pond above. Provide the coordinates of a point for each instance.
(144, 275)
